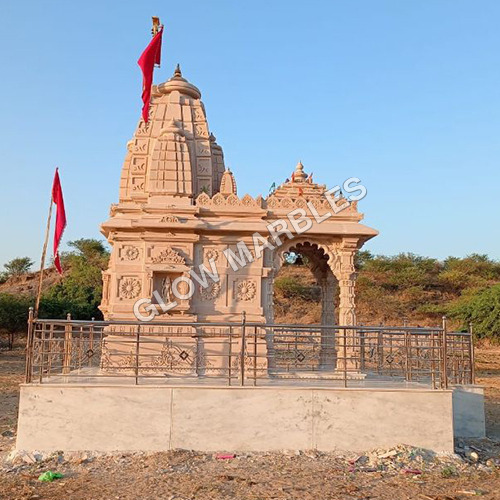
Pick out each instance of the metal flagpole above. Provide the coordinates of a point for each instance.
(42, 260)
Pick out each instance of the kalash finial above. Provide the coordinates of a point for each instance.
(299, 175)
(177, 71)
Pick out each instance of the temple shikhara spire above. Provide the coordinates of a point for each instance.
(173, 156)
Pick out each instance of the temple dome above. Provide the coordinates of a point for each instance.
(177, 82)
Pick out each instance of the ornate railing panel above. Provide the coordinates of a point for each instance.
(246, 353)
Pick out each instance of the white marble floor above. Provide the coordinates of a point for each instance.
(97, 377)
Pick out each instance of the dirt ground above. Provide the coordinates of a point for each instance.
(181, 475)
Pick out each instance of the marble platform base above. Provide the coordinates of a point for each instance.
(318, 375)
(153, 418)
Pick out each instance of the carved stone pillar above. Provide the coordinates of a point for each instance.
(328, 355)
(346, 274)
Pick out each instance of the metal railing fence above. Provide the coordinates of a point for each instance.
(245, 353)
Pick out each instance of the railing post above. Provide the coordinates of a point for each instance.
(137, 353)
(243, 343)
(67, 346)
(344, 348)
(445, 354)
(230, 355)
(29, 346)
(255, 355)
(362, 344)
(471, 356)
(407, 342)
(380, 351)
(90, 349)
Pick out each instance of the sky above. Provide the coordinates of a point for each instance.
(404, 95)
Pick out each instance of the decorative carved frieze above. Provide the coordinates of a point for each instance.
(220, 200)
(321, 204)
(169, 218)
(169, 256)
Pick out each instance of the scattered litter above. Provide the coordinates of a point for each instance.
(225, 456)
(356, 460)
(368, 469)
(49, 476)
(439, 497)
(476, 493)
(415, 472)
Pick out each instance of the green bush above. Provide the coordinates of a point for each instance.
(482, 309)
(292, 288)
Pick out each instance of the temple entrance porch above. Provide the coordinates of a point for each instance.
(293, 350)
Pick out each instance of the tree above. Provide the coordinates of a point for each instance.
(18, 266)
(362, 257)
(80, 291)
(14, 312)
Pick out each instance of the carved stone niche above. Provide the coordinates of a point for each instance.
(162, 283)
(164, 265)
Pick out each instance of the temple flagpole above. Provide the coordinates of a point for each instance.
(42, 260)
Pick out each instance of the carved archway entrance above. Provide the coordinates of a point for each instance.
(314, 348)
(317, 261)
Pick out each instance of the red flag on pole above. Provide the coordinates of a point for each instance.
(58, 200)
(147, 61)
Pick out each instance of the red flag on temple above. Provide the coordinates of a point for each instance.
(147, 61)
(58, 200)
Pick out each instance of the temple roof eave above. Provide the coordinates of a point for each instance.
(236, 227)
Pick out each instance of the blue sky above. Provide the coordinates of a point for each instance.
(404, 95)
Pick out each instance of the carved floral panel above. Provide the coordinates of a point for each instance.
(129, 288)
(245, 290)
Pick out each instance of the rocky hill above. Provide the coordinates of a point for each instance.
(27, 284)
